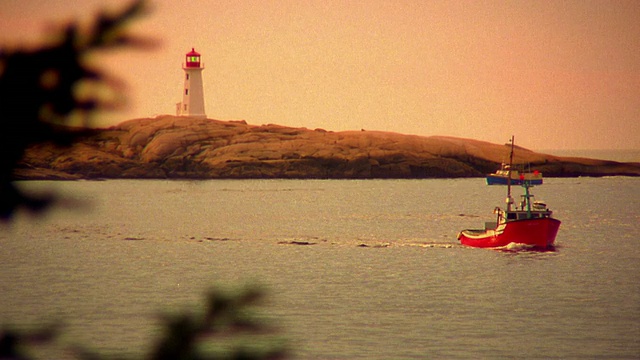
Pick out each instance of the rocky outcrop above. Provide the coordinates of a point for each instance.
(178, 147)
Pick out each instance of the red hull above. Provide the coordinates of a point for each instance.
(538, 233)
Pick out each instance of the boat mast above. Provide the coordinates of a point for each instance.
(527, 197)
(509, 200)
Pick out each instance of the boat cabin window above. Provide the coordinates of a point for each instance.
(519, 215)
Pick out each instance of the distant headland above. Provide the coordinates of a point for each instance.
(191, 148)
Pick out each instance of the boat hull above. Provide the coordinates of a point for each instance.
(501, 180)
(538, 233)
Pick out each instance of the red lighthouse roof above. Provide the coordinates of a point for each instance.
(193, 59)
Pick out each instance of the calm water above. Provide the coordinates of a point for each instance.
(117, 253)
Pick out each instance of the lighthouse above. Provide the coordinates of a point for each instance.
(193, 93)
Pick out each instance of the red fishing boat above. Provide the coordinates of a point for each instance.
(530, 223)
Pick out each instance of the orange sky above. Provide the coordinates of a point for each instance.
(556, 74)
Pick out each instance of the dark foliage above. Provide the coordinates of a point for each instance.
(39, 95)
(215, 333)
(38, 102)
(226, 318)
(13, 343)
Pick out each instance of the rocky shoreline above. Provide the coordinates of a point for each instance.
(178, 147)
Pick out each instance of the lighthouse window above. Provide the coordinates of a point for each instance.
(186, 91)
(187, 76)
(185, 107)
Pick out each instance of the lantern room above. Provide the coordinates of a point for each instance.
(193, 59)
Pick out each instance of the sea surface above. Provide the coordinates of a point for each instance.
(354, 269)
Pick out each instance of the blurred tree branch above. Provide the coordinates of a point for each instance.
(40, 97)
(226, 329)
(226, 318)
(14, 344)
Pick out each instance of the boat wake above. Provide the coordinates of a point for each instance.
(517, 247)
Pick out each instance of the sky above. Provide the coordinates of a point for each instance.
(555, 74)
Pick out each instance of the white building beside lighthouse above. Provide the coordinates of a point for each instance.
(193, 93)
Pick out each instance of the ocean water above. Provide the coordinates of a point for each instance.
(353, 269)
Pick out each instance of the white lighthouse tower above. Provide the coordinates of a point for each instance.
(193, 93)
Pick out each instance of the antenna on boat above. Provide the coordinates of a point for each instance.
(509, 199)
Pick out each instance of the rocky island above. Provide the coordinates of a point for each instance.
(179, 147)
